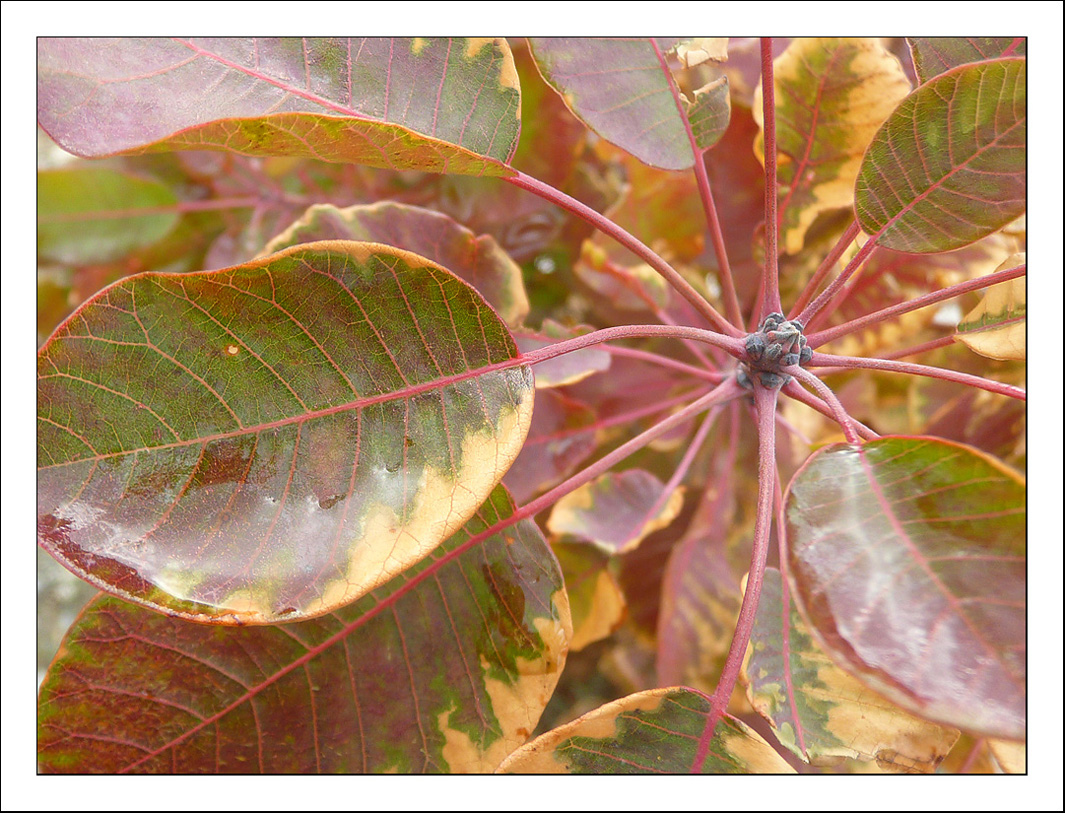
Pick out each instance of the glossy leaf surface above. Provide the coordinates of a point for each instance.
(444, 669)
(907, 558)
(478, 259)
(817, 710)
(350, 100)
(618, 87)
(935, 55)
(997, 327)
(832, 94)
(656, 731)
(94, 215)
(273, 440)
(967, 130)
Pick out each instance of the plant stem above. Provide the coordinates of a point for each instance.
(702, 182)
(765, 402)
(666, 361)
(845, 421)
(811, 310)
(824, 336)
(679, 473)
(770, 282)
(935, 344)
(826, 360)
(732, 346)
(844, 240)
(608, 227)
(793, 390)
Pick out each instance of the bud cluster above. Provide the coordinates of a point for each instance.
(777, 343)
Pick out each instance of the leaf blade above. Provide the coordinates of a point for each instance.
(272, 440)
(968, 127)
(334, 99)
(898, 536)
(361, 690)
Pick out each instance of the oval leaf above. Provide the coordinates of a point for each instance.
(616, 511)
(272, 440)
(832, 94)
(596, 601)
(935, 55)
(907, 557)
(967, 129)
(618, 87)
(439, 105)
(477, 259)
(818, 711)
(96, 215)
(997, 327)
(656, 731)
(446, 668)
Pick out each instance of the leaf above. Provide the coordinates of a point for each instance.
(698, 50)
(445, 668)
(655, 731)
(561, 436)
(949, 165)
(477, 259)
(616, 511)
(997, 327)
(1012, 757)
(346, 100)
(595, 598)
(618, 87)
(273, 440)
(907, 560)
(97, 215)
(710, 112)
(818, 711)
(832, 94)
(935, 55)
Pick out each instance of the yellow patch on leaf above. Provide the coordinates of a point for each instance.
(997, 327)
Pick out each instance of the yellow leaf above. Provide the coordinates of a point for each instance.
(997, 327)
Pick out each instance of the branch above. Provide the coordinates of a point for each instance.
(770, 282)
(793, 390)
(826, 360)
(844, 240)
(825, 336)
(702, 181)
(607, 226)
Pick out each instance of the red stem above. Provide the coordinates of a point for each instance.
(678, 475)
(811, 310)
(845, 421)
(666, 361)
(826, 360)
(935, 344)
(702, 182)
(608, 227)
(824, 336)
(844, 240)
(765, 402)
(770, 285)
(793, 390)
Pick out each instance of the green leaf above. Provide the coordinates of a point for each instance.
(818, 711)
(907, 560)
(935, 55)
(438, 105)
(949, 165)
(832, 94)
(272, 440)
(478, 259)
(997, 327)
(97, 215)
(710, 112)
(617, 86)
(443, 669)
(656, 731)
